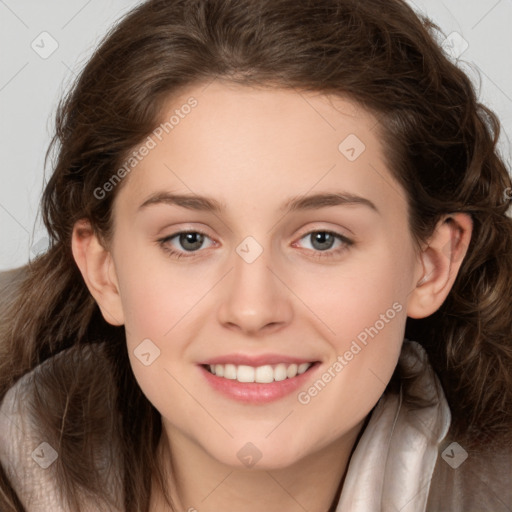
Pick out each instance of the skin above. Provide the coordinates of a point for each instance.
(252, 150)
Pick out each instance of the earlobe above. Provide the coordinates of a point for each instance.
(439, 264)
(98, 270)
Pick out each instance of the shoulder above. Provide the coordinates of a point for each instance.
(467, 479)
(11, 277)
(27, 458)
(464, 477)
(9, 283)
(42, 429)
(406, 460)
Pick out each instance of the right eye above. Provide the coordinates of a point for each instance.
(183, 242)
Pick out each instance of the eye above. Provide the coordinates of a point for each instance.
(183, 242)
(322, 243)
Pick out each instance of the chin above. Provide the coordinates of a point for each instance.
(260, 454)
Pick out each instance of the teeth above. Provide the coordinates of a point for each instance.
(261, 374)
(302, 368)
(291, 371)
(230, 371)
(264, 374)
(280, 372)
(245, 373)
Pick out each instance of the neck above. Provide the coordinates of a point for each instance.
(313, 483)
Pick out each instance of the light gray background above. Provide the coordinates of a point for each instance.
(30, 87)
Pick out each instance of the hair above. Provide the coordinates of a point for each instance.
(440, 143)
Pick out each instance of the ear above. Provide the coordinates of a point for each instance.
(439, 264)
(97, 268)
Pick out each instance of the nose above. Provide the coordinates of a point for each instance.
(254, 300)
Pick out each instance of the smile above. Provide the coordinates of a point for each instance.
(263, 380)
(260, 374)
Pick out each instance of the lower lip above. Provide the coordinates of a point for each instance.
(255, 392)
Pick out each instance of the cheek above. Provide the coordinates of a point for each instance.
(161, 304)
(352, 297)
(364, 311)
(366, 348)
(156, 294)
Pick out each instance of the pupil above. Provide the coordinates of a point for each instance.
(191, 241)
(322, 240)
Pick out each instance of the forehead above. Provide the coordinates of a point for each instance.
(247, 144)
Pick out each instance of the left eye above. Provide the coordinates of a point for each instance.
(324, 240)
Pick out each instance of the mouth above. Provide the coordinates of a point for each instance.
(261, 374)
(258, 384)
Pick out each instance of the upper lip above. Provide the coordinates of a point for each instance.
(260, 360)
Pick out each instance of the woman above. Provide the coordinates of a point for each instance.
(255, 207)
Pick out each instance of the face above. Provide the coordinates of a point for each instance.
(263, 237)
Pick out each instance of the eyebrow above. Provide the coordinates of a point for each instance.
(298, 203)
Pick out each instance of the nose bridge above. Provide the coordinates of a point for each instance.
(254, 298)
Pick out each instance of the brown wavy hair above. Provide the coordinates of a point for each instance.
(440, 143)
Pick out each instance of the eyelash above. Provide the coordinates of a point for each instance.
(347, 243)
